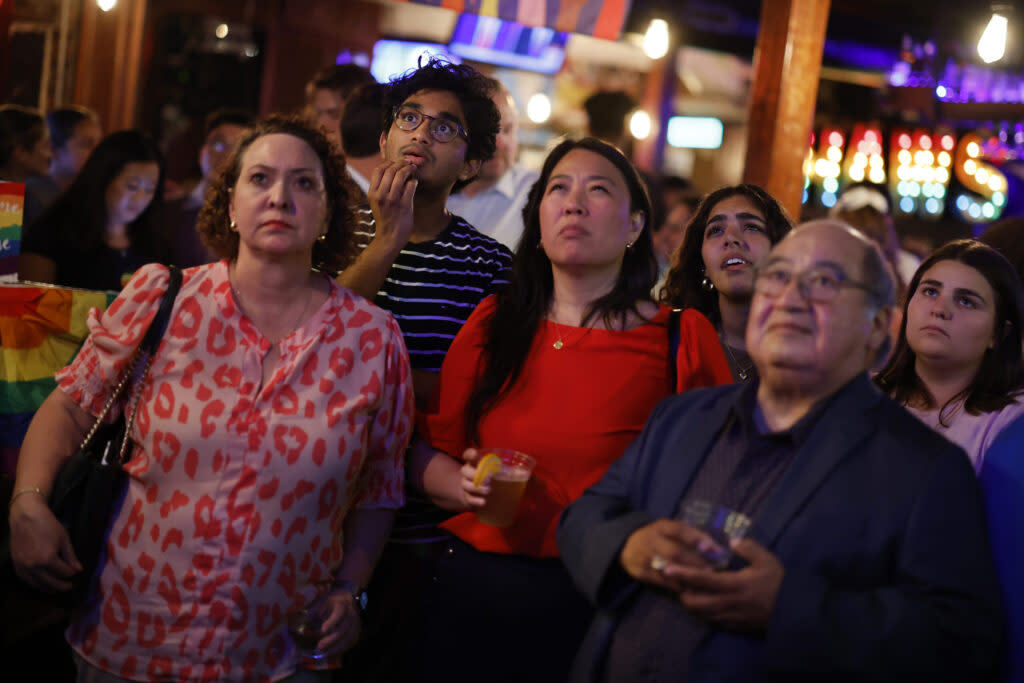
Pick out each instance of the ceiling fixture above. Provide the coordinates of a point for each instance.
(992, 45)
(106, 5)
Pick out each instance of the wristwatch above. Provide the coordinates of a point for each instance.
(358, 594)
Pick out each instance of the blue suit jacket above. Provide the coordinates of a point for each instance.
(1002, 483)
(878, 523)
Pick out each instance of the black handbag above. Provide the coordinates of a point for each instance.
(91, 485)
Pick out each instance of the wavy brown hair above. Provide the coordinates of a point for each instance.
(683, 283)
(332, 253)
(1000, 376)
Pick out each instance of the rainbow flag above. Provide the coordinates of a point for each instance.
(12, 208)
(598, 18)
(41, 329)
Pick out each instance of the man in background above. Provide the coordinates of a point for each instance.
(223, 129)
(362, 124)
(493, 202)
(326, 93)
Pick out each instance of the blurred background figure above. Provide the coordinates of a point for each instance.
(957, 364)
(1007, 237)
(102, 229)
(493, 203)
(326, 93)
(669, 235)
(24, 144)
(25, 151)
(74, 133)
(606, 117)
(868, 204)
(713, 269)
(878, 226)
(223, 129)
(362, 124)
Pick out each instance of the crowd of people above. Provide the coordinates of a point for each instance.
(376, 294)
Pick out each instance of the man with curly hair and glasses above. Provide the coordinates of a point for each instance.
(429, 269)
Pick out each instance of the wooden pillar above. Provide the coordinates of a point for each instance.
(109, 61)
(787, 63)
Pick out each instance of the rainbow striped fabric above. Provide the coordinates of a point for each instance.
(598, 18)
(41, 329)
(12, 208)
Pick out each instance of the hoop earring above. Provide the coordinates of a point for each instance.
(707, 285)
(233, 226)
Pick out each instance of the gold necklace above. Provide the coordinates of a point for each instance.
(560, 343)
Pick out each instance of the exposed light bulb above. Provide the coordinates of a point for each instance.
(992, 45)
(106, 5)
(221, 31)
(656, 39)
(539, 108)
(640, 124)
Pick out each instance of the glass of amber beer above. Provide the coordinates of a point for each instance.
(507, 487)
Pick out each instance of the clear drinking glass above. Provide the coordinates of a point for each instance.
(722, 524)
(306, 627)
(507, 487)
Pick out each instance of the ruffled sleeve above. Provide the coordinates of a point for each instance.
(114, 335)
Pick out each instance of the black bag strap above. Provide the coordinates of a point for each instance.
(673, 345)
(147, 347)
(163, 315)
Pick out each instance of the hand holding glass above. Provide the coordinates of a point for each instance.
(507, 487)
(307, 625)
(722, 524)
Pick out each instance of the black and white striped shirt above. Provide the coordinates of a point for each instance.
(433, 286)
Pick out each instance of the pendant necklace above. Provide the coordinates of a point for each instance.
(561, 343)
(742, 371)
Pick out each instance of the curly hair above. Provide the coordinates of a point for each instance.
(523, 304)
(332, 253)
(683, 283)
(1000, 376)
(474, 92)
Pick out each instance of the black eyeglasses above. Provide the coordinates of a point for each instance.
(819, 285)
(441, 129)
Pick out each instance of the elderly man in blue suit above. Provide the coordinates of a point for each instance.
(866, 558)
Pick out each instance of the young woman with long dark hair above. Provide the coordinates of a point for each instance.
(564, 365)
(102, 228)
(713, 271)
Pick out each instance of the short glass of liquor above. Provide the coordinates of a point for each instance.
(306, 627)
(507, 487)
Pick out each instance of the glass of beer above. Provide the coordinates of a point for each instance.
(507, 487)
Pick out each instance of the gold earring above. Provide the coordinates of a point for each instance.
(233, 225)
(322, 238)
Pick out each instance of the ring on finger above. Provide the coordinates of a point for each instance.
(658, 563)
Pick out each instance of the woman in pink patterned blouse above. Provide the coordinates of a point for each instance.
(269, 439)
